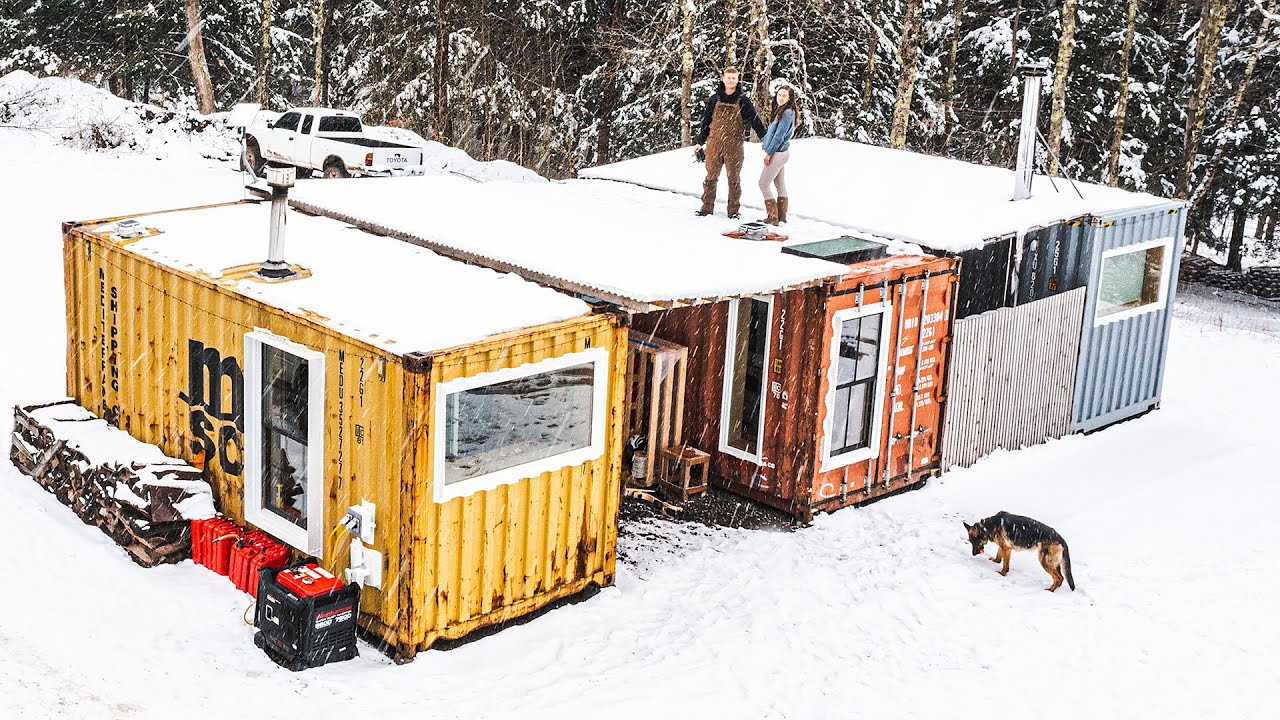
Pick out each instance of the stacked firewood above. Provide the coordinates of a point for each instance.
(1263, 282)
(145, 506)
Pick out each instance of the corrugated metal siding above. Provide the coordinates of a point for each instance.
(1054, 260)
(133, 328)
(1012, 377)
(1121, 368)
(984, 277)
(497, 554)
(789, 476)
(787, 452)
(136, 332)
(919, 361)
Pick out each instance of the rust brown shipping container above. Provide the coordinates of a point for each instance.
(851, 397)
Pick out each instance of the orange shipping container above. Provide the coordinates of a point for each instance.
(817, 398)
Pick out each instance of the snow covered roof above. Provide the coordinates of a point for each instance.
(378, 290)
(635, 247)
(943, 204)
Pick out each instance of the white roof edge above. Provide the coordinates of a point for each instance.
(630, 247)
(941, 203)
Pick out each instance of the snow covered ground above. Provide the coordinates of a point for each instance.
(878, 612)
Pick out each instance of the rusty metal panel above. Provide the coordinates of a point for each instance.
(907, 449)
(1012, 378)
(703, 329)
(789, 475)
(1121, 367)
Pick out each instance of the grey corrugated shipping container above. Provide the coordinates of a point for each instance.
(1124, 326)
(1123, 341)
(1126, 264)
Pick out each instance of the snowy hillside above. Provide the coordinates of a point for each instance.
(878, 612)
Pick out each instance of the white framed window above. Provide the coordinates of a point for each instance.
(504, 426)
(1134, 280)
(859, 357)
(284, 440)
(746, 363)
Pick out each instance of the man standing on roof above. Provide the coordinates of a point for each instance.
(725, 119)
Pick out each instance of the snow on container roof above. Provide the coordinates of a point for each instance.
(638, 248)
(389, 294)
(940, 203)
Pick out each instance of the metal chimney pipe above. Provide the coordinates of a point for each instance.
(280, 180)
(1032, 76)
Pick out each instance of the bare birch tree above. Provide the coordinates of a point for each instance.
(318, 10)
(909, 54)
(196, 58)
(1122, 97)
(763, 55)
(687, 8)
(1061, 71)
(264, 59)
(1013, 41)
(1209, 39)
(1260, 42)
(731, 32)
(957, 14)
(872, 41)
(441, 72)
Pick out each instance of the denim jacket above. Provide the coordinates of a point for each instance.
(778, 137)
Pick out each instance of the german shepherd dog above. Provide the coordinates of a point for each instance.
(1015, 532)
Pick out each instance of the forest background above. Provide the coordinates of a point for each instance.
(1172, 97)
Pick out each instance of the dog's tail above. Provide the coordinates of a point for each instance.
(1066, 561)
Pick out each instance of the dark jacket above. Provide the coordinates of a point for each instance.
(749, 117)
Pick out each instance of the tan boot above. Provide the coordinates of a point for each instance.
(771, 210)
(782, 210)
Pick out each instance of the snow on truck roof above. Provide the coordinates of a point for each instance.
(635, 247)
(387, 293)
(940, 203)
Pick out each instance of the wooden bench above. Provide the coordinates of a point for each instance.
(685, 471)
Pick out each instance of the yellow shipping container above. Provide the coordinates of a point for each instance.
(479, 413)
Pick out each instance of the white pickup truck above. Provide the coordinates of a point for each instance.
(331, 141)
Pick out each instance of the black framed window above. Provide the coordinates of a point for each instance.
(857, 375)
(284, 434)
(306, 124)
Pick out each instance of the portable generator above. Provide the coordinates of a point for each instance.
(306, 617)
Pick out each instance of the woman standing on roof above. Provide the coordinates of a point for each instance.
(777, 149)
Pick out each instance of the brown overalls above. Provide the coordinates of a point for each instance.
(724, 149)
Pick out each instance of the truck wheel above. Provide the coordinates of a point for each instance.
(335, 169)
(303, 172)
(253, 161)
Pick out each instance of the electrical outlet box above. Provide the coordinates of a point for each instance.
(366, 565)
(362, 522)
